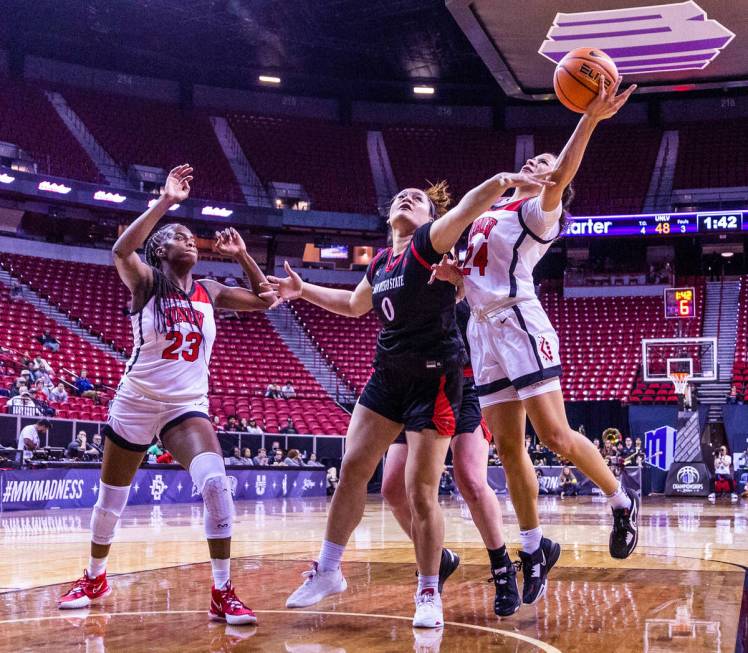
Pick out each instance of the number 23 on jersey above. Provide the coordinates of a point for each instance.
(190, 352)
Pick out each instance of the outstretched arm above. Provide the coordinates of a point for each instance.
(446, 231)
(134, 273)
(230, 244)
(353, 303)
(604, 106)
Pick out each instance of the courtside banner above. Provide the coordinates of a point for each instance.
(630, 478)
(79, 487)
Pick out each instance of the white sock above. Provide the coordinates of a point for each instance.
(96, 567)
(530, 540)
(330, 556)
(428, 583)
(619, 498)
(221, 571)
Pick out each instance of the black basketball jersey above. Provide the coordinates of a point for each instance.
(418, 319)
(463, 317)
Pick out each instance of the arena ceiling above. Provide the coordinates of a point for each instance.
(660, 45)
(334, 45)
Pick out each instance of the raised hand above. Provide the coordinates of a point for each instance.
(229, 243)
(446, 270)
(177, 186)
(608, 102)
(513, 179)
(286, 289)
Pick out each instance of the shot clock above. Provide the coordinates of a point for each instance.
(680, 303)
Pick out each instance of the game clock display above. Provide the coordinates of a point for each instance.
(659, 224)
(680, 303)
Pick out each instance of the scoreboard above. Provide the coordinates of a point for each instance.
(659, 224)
(680, 303)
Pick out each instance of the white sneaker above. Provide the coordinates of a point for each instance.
(712, 497)
(317, 586)
(734, 498)
(428, 609)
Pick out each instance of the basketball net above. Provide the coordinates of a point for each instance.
(680, 381)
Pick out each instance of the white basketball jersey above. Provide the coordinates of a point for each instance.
(503, 251)
(172, 366)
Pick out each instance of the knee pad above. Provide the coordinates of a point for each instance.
(209, 476)
(109, 506)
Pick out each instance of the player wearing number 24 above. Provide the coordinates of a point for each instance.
(164, 390)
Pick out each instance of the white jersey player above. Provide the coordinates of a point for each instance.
(163, 392)
(515, 349)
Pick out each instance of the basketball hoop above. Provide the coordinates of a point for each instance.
(680, 381)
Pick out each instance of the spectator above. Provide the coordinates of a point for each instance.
(261, 459)
(96, 448)
(236, 457)
(19, 385)
(247, 456)
(540, 455)
(289, 428)
(85, 388)
(230, 281)
(733, 397)
(252, 427)
(542, 487)
(723, 474)
(29, 437)
(216, 423)
(59, 394)
(23, 404)
(273, 391)
(598, 444)
(48, 341)
(446, 483)
(528, 444)
(288, 391)
(332, 480)
(16, 289)
(293, 459)
(231, 424)
(278, 459)
(313, 462)
(155, 450)
(567, 483)
(165, 458)
(628, 451)
(78, 447)
(275, 445)
(493, 456)
(40, 393)
(242, 426)
(39, 366)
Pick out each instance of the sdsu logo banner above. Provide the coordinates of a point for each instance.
(652, 39)
(79, 487)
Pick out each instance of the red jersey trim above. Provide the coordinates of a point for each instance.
(419, 258)
(199, 294)
(444, 417)
(390, 263)
(513, 206)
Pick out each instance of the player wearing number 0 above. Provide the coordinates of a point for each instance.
(164, 389)
(416, 384)
(515, 349)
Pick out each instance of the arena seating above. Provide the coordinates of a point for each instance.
(600, 343)
(28, 120)
(330, 161)
(147, 132)
(740, 367)
(21, 324)
(713, 156)
(609, 180)
(248, 354)
(464, 157)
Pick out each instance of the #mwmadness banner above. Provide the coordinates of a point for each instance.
(79, 487)
(630, 478)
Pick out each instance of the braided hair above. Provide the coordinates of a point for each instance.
(166, 293)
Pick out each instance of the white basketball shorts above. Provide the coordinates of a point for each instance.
(514, 353)
(134, 419)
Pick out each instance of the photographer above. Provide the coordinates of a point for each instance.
(29, 437)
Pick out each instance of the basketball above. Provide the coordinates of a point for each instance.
(576, 79)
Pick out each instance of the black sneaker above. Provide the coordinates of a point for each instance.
(535, 569)
(449, 562)
(507, 600)
(625, 532)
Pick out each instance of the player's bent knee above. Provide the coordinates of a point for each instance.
(108, 509)
(471, 489)
(558, 440)
(219, 507)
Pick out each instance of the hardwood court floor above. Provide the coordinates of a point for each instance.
(681, 591)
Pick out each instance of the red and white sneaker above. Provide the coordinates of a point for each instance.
(225, 606)
(84, 592)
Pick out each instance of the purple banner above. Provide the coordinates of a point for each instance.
(78, 487)
(548, 480)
